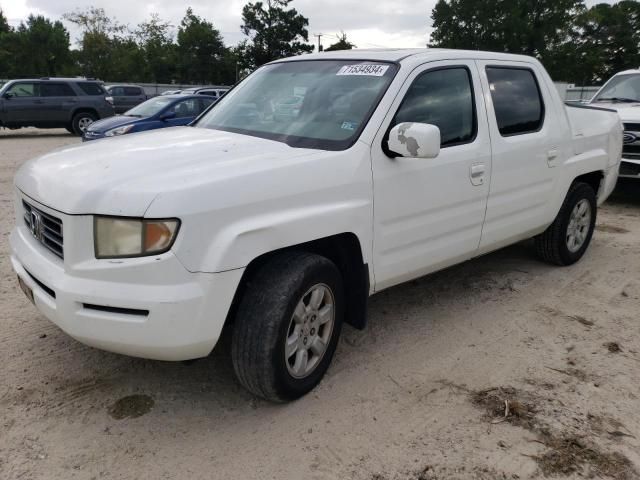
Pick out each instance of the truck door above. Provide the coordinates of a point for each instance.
(525, 137)
(23, 105)
(428, 213)
(58, 100)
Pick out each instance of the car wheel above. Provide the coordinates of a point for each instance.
(81, 122)
(568, 237)
(287, 326)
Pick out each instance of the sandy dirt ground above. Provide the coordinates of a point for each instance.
(500, 368)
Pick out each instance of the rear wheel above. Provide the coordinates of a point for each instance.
(81, 122)
(568, 237)
(287, 326)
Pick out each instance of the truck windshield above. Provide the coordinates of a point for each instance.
(321, 104)
(621, 88)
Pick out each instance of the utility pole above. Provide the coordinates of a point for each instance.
(319, 35)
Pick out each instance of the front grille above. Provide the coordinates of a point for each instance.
(46, 228)
(632, 169)
(631, 149)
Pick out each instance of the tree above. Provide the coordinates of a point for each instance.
(156, 43)
(606, 40)
(22, 48)
(96, 43)
(341, 44)
(4, 24)
(200, 51)
(274, 32)
(537, 28)
(5, 54)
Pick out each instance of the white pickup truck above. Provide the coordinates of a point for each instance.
(622, 93)
(317, 182)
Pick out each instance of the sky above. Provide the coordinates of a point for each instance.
(368, 23)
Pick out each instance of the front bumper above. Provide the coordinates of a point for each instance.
(149, 307)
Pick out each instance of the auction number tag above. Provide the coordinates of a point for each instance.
(367, 69)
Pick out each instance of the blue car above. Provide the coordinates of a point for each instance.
(158, 112)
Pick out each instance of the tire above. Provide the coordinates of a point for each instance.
(265, 322)
(80, 119)
(555, 245)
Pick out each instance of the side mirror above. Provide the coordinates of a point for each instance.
(414, 140)
(168, 115)
(7, 95)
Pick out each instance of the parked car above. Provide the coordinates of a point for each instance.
(622, 93)
(170, 92)
(217, 92)
(158, 112)
(70, 103)
(126, 97)
(148, 244)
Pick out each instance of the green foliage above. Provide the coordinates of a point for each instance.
(201, 52)
(341, 44)
(22, 52)
(575, 44)
(155, 42)
(274, 31)
(606, 40)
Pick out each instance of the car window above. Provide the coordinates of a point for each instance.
(517, 100)
(443, 98)
(24, 89)
(205, 102)
(49, 89)
(117, 91)
(91, 88)
(207, 92)
(186, 108)
(132, 91)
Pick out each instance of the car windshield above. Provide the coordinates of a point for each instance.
(149, 108)
(621, 88)
(321, 104)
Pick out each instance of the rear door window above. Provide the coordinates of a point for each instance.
(48, 89)
(132, 91)
(91, 88)
(517, 100)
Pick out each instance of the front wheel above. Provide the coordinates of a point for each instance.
(568, 237)
(287, 326)
(81, 122)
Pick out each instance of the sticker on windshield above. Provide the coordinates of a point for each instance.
(349, 125)
(368, 69)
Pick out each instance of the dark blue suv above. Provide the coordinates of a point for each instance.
(158, 112)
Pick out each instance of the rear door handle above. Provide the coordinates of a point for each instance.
(476, 173)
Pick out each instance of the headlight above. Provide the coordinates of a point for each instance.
(116, 237)
(118, 131)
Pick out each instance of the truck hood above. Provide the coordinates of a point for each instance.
(122, 175)
(629, 112)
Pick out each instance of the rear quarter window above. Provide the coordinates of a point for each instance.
(90, 88)
(132, 91)
(517, 100)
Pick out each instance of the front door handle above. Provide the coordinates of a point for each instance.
(477, 172)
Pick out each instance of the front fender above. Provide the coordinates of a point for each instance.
(228, 222)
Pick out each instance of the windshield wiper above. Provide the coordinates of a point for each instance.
(618, 99)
